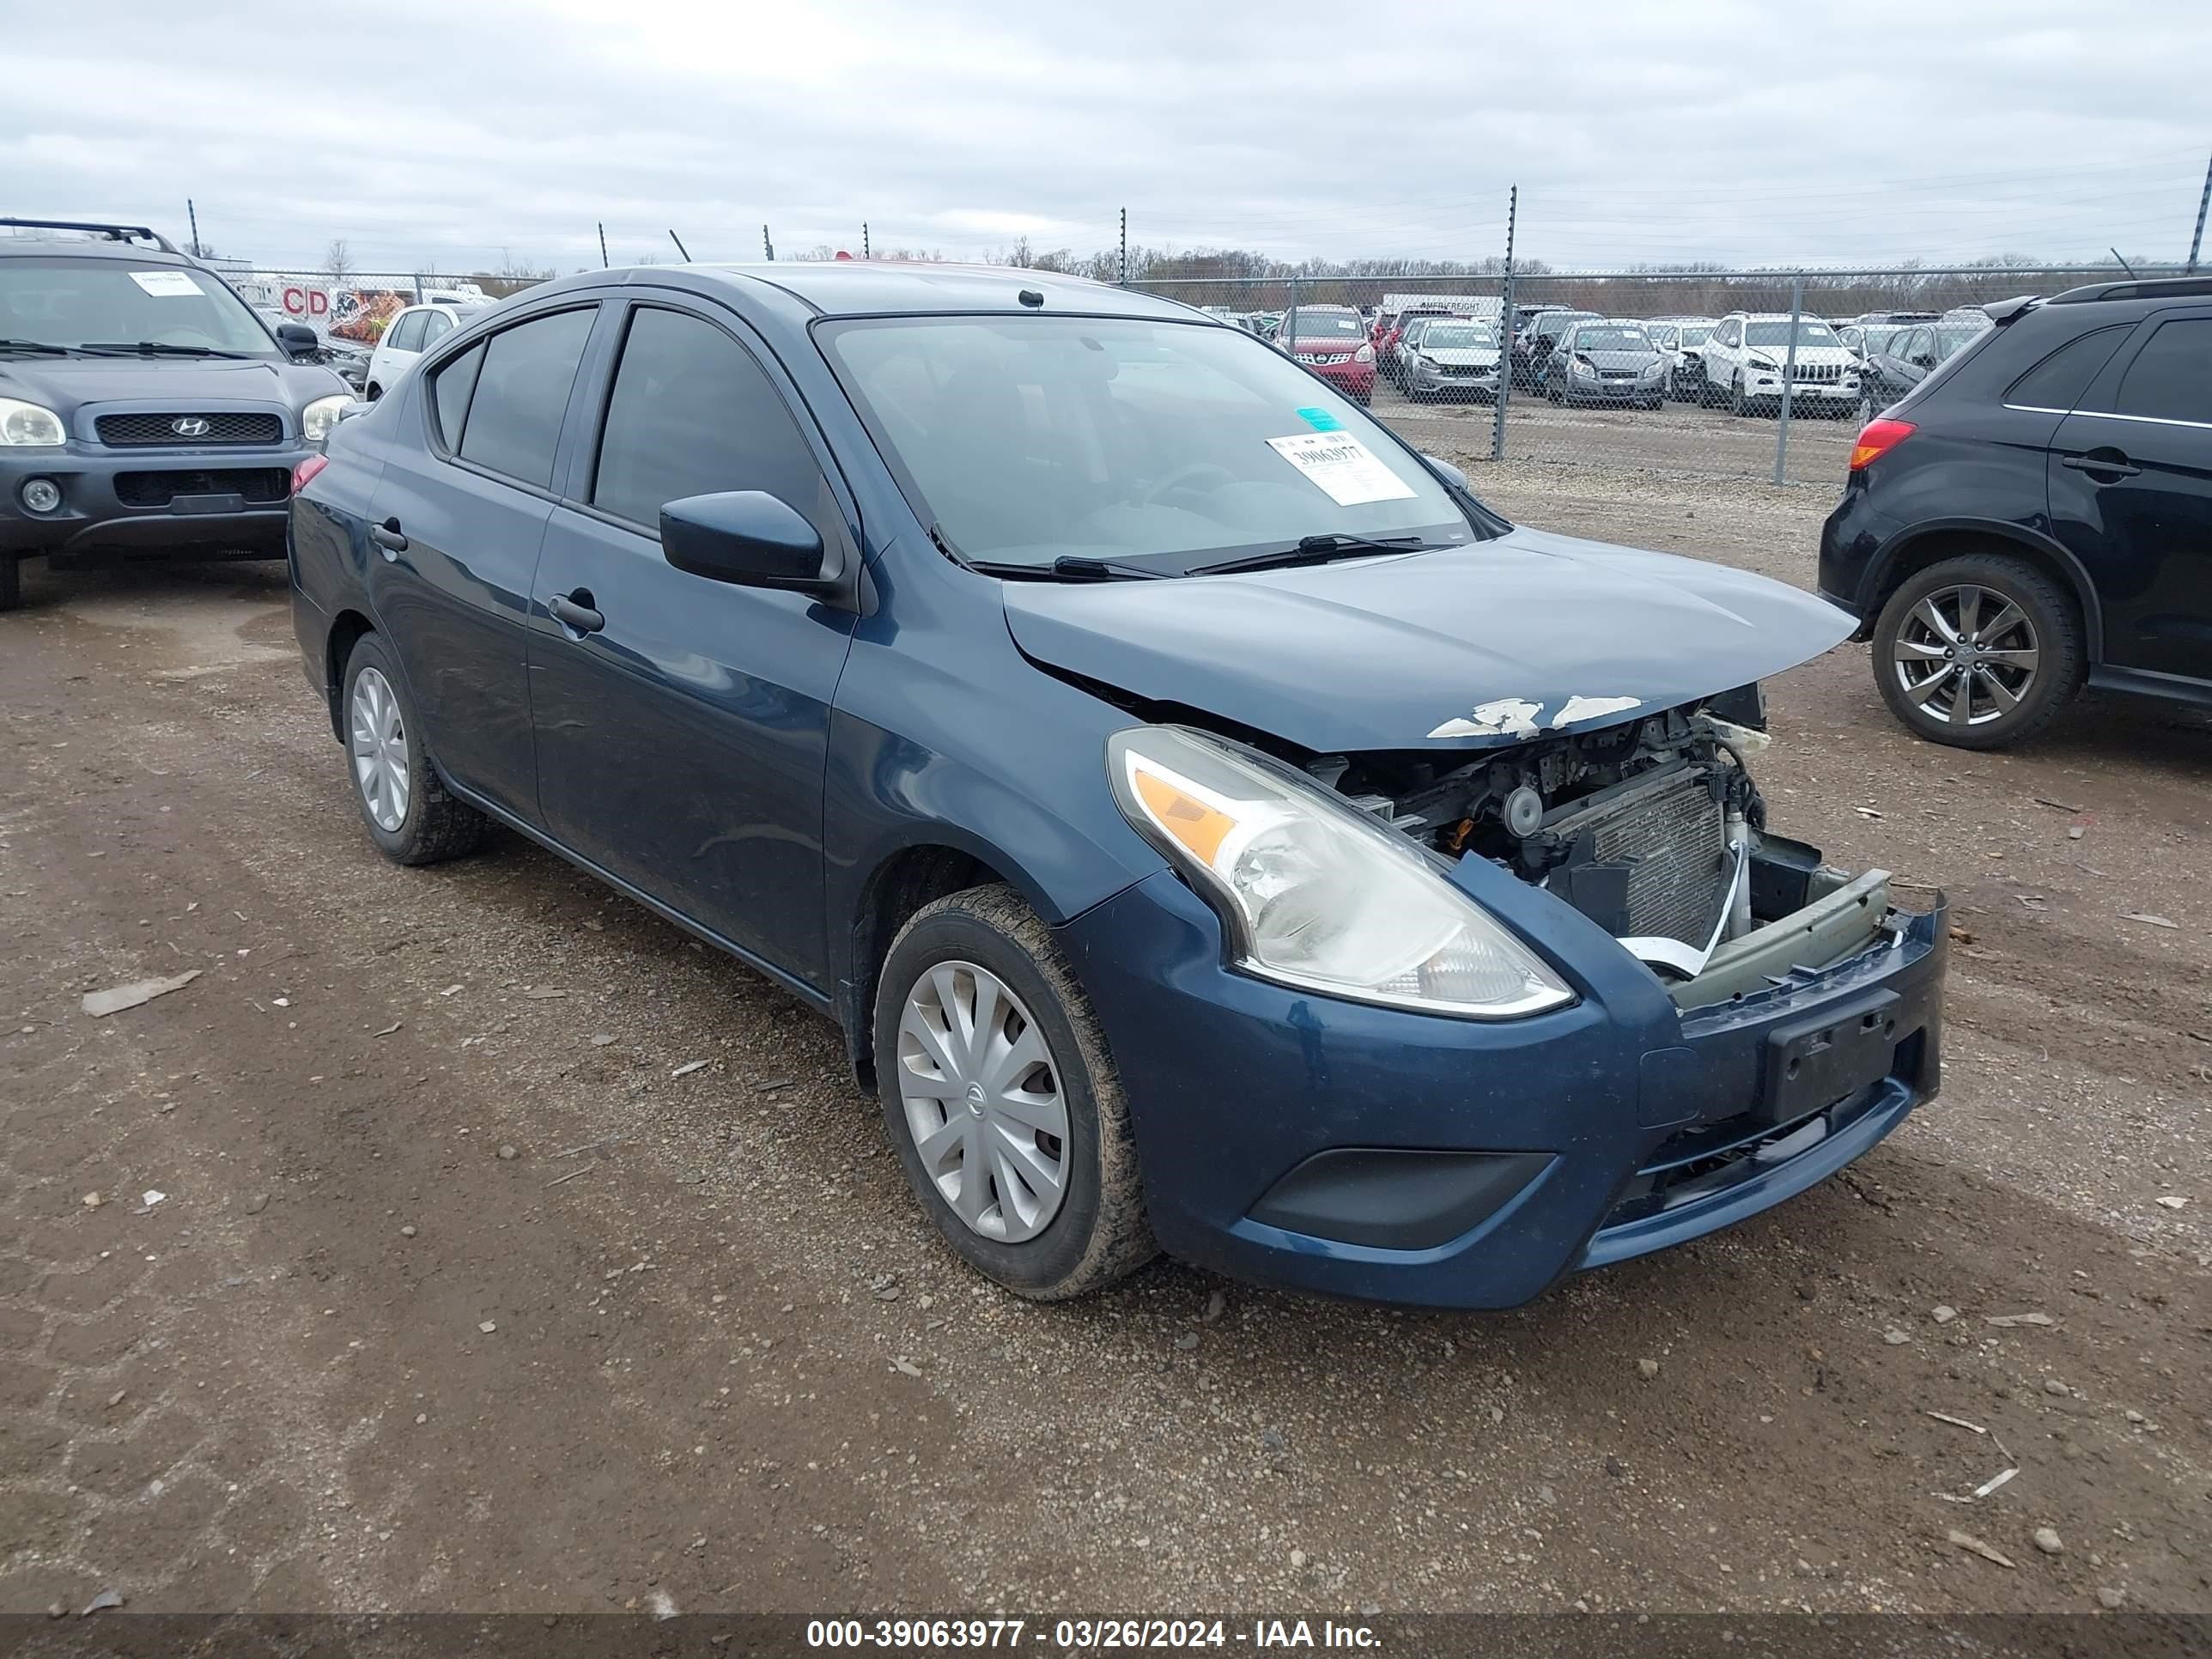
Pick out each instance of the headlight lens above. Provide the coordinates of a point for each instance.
(29, 426)
(317, 419)
(1313, 893)
(1584, 369)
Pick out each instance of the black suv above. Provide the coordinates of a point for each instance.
(2036, 513)
(145, 410)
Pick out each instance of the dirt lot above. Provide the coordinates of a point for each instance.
(458, 1297)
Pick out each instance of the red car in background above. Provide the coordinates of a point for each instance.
(1331, 341)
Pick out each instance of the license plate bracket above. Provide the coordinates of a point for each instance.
(1813, 1062)
(185, 506)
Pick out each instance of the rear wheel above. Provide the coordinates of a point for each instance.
(1979, 651)
(411, 816)
(1003, 1102)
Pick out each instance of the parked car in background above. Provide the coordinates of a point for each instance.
(1211, 829)
(1611, 361)
(413, 331)
(1534, 346)
(1452, 357)
(146, 412)
(1404, 341)
(2036, 514)
(1681, 339)
(1744, 356)
(1910, 355)
(349, 360)
(1392, 329)
(1331, 341)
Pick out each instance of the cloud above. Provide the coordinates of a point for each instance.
(465, 136)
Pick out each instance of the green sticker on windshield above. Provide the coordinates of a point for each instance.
(1321, 420)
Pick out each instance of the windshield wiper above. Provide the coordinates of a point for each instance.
(34, 345)
(1070, 567)
(1317, 549)
(156, 348)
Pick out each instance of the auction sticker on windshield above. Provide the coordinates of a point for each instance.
(166, 283)
(1342, 467)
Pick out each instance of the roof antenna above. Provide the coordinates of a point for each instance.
(2125, 265)
(680, 248)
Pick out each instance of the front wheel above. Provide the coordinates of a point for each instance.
(1003, 1102)
(1979, 651)
(410, 815)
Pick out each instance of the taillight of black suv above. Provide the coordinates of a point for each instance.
(2036, 515)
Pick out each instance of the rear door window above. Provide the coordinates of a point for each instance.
(407, 333)
(693, 414)
(522, 395)
(2171, 379)
(2059, 381)
(435, 324)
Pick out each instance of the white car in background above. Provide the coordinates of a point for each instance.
(1744, 356)
(1680, 339)
(411, 332)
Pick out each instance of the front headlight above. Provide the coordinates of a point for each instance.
(317, 419)
(1650, 371)
(29, 426)
(1584, 370)
(1313, 893)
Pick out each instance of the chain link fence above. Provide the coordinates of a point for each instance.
(1752, 375)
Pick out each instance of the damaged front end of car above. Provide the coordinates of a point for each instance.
(1612, 1008)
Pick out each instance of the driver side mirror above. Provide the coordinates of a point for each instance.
(750, 538)
(297, 339)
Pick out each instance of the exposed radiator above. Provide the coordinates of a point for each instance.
(1668, 832)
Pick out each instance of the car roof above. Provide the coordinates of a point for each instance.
(850, 287)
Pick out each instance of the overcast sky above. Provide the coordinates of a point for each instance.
(471, 131)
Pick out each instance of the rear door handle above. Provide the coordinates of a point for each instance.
(387, 536)
(2118, 467)
(573, 612)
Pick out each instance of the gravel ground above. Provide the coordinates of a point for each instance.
(457, 1297)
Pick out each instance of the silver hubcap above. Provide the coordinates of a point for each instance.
(983, 1104)
(379, 750)
(1966, 656)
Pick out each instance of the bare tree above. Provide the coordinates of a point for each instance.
(338, 260)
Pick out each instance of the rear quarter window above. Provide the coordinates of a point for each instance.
(2059, 381)
(449, 395)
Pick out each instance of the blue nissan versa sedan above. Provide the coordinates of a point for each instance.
(1213, 829)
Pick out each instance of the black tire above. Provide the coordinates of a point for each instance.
(11, 581)
(435, 827)
(2051, 611)
(1099, 1234)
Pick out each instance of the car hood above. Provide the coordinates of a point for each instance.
(1462, 357)
(67, 383)
(1464, 649)
(1620, 358)
(1805, 354)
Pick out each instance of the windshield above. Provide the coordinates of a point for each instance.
(1313, 322)
(1028, 439)
(64, 301)
(1952, 336)
(1696, 334)
(1439, 337)
(1775, 335)
(1611, 337)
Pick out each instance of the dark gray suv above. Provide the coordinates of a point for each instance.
(145, 411)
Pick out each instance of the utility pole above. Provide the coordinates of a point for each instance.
(1125, 248)
(193, 214)
(1504, 335)
(864, 239)
(2197, 242)
(603, 245)
(767, 246)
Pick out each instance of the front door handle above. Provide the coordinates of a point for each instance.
(573, 612)
(2109, 461)
(387, 536)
